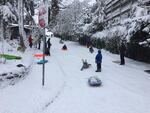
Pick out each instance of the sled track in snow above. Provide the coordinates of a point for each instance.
(60, 91)
(55, 97)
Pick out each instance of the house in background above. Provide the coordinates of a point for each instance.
(13, 31)
(116, 10)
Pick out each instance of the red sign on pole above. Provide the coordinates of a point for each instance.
(43, 15)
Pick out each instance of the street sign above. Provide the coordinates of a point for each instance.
(43, 15)
(43, 22)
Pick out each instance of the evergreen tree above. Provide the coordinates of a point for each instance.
(54, 10)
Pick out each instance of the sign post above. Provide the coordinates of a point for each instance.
(43, 22)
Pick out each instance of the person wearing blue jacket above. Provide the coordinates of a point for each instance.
(98, 60)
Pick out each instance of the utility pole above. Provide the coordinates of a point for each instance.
(43, 22)
(44, 47)
(44, 44)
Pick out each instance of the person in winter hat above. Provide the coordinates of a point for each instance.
(98, 60)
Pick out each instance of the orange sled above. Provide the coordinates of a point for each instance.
(39, 55)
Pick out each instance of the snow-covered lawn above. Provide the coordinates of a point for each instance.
(125, 89)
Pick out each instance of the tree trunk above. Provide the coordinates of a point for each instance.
(21, 24)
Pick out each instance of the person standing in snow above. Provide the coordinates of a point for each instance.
(98, 60)
(48, 45)
(88, 42)
(122, 50)
(30, 41)
(91, 49)
(39, 43)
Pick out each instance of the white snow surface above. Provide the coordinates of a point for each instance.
(67, 2)
(125, 89)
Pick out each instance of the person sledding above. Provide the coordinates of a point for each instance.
(86, 65)
(64, 47)
(98, 60)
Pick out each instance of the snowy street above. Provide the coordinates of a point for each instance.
(125, 89)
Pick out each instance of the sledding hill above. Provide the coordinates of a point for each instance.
(125, 89)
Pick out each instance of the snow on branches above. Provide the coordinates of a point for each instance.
(7, 13)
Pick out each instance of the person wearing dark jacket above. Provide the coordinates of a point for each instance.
(48, 47)
(91, 49)
(30, 41)
(98, 60)
(39, 43)
(122, 50)
(49, 43)
(64, 47)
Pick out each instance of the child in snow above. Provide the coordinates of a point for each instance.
(91, 49)
(85, 64)
(64, 47)
(98, 60)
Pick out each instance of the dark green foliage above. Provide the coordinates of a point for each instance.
(83, 39)
(98, 43)
(136, 51)
(66, 37)
(112, 44)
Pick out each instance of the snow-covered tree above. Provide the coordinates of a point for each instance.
(54, 9)
(68, 18)
(21, 24)
(95, 17)
(18, 12)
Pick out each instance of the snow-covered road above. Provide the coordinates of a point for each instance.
(125, 89)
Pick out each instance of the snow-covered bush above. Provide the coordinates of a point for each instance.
(134, 30)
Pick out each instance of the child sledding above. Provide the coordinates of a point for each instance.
(64, 47)
(86, 65)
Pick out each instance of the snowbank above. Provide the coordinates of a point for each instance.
(109, 33)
